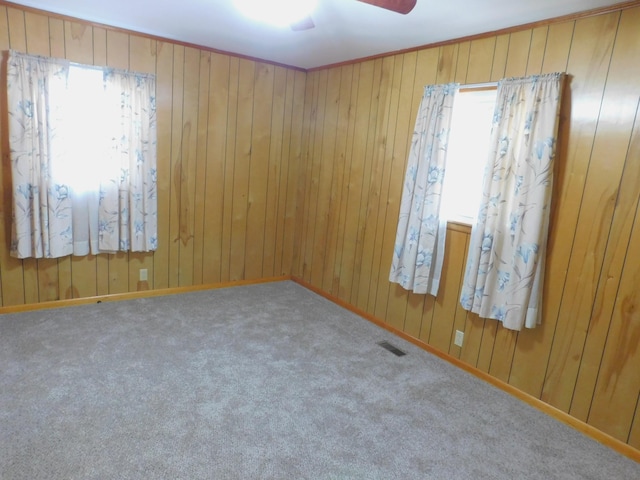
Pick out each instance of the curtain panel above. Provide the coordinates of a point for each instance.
(419, 246)
(56, 210)
(506, 259)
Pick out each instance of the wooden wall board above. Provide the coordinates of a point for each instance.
(344, 149)
(242, 166)
(175, 175)
(374, 185)
(445, 306)
(164, 108)
(388, 196)
(185, 167)
(324, 168)
(297, 107)
(396, 306)
(276, 175)
(359, 277)
(537, 50)
(480, 60)
(256, 227)
(618, 385)
(363, 84)
(214, 195)
(229, 167)
(599, 183)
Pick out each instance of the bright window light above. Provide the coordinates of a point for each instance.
(279, 13)
(86, 114)
(468, 150)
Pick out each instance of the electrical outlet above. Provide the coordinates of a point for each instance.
(143, 274)
(459, 338)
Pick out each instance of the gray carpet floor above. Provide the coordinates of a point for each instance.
(267, 381)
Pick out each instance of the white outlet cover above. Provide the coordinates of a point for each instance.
(459, 338)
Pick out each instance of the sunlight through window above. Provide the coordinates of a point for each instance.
(86, 113)
(468, 148)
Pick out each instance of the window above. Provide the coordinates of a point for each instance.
(83, 158)
(467, 153)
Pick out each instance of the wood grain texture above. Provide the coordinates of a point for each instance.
(265, 171)
(570, 361)
(203, 200)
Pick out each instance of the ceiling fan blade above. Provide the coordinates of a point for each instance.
(399, 6)
(304, 24)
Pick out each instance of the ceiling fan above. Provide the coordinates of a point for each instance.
(399, 6)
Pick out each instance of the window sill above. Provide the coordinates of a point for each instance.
(459, 226)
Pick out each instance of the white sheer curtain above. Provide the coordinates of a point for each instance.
(505, 265)
(419, 247)
(83, 158)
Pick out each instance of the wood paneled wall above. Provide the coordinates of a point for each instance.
(585, 357)
(229, 139)
(267, 171)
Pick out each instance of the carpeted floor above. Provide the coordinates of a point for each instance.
(259, 382)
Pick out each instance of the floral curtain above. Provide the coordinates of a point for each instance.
(505, 264)
(42, 222)
(83, 168)
(419, 247)
(127, 212)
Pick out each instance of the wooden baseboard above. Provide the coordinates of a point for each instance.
(588, 430)
(133, 295)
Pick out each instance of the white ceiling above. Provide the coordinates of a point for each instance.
(345, 29)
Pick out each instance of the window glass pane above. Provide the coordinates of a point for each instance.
(83, 106)
(467, 154)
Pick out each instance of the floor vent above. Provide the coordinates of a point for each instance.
(392, 348)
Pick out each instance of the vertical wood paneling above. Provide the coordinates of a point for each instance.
(396, 305)
(339, 185)
(265, 171)
(186, 167)
(178, 134)
(379, 285)
(589, 314)
(370, 254)
(360, 94)
(164, 106)
(277, 171)
(242, 165)
(369, 136)
(601, 180)
(208, 195)
(257, 228)
(215, 167)
(295, 156)
(229, 168)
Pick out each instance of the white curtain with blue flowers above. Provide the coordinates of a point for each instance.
(505, 264)
(127, 213)
(83, 167)
(419, 247)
